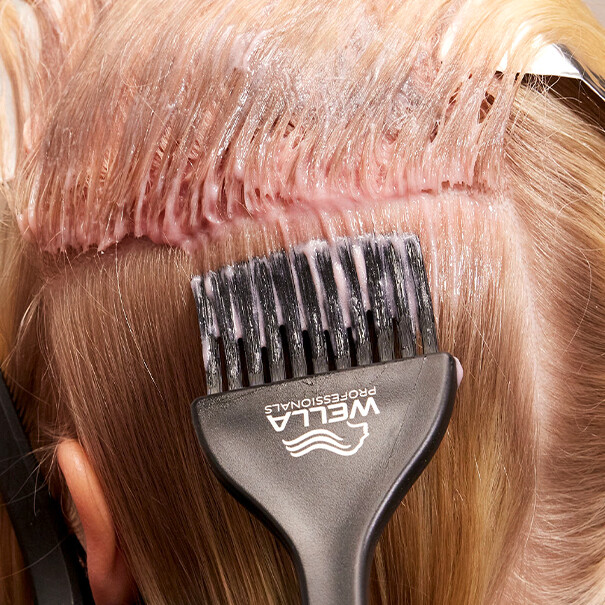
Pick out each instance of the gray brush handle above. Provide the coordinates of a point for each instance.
(324, 460)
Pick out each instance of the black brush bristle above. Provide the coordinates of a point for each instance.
(318, 307)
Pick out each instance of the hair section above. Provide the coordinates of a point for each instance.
(197, 114)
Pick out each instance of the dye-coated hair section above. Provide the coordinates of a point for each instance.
(230, 129)
(202, 113)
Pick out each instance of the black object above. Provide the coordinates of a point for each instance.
(323, 457)
(53, 557)
(329, 508)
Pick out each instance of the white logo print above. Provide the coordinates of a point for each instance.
(325, 440)
(338, 411)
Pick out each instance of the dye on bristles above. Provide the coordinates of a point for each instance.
(318, 307)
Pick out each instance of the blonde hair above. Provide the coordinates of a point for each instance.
(187, 123)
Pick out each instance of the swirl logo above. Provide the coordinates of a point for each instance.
(323, 439)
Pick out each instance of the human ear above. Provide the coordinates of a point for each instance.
(110, 579)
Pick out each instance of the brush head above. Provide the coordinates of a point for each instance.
(317, 308)
(326, 396)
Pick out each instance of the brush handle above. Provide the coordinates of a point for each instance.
(325, 460)
(337, 578)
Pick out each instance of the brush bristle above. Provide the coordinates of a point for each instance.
(316, 308)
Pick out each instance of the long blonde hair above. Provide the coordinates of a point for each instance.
(182, 135)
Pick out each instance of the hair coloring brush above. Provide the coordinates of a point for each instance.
(326, 396)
